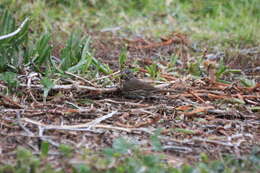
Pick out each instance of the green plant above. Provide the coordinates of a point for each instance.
(224, 70)
(132, 159)
(122, 59)
(173, 61)
(225, 22)
(71, 54)
(41, 53)
(12, 42)
(66, 150)
(155, 141)
(195, 68)
(44, 149)
(10, 79)
(85, 60)
(81, 168)
(120, 146)
(125, 156)
(104, 68)
(26, 162)
(76, 56)
(153, 70)
(47, 86)
(247, 82)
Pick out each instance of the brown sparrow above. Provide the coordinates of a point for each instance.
(135, 88)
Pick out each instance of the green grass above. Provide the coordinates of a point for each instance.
(219, 21)
(235, 22)
(124, 156)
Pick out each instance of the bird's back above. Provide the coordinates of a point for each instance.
(136, 84)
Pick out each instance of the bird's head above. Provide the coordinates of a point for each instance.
(127, 74)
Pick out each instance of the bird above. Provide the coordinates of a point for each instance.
(135, 88)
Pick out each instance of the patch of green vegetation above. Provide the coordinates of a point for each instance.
(220, 21)
(153, 70)
(19, 50)
(234, 22)
(10, 79)
(12, 42)
(125, 156)
(122, 59)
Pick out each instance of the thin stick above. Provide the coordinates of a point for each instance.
(18, 115)
(178, 148)
(81, 78)
(78, 128)
(103, 77)
(98, 120)
(69, 127)
(69, 87)
(228, 144)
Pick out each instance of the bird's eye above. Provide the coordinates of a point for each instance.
(127, 71)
